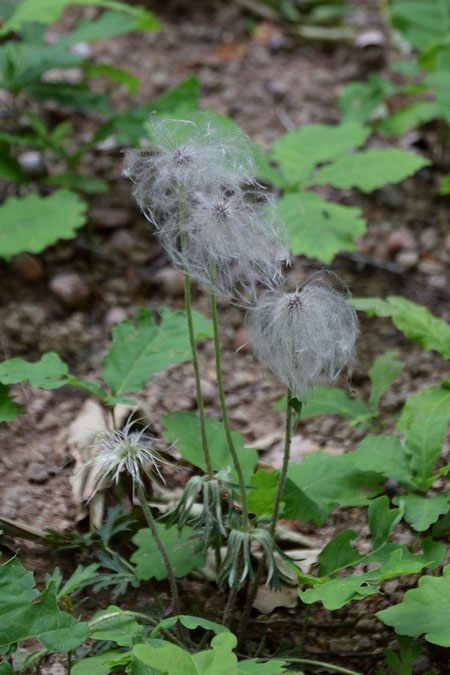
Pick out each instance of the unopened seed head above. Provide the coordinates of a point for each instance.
(306, 337)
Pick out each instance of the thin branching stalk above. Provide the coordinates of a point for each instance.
(330, 666)
(226, 423)
(162, 549)
(285, 465)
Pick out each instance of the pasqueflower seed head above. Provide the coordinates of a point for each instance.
(229, 240)
(186, 155)
(306, 337)
(126, 450)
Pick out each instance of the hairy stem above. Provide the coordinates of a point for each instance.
(284, 467)
(226, 423)
(162, 549)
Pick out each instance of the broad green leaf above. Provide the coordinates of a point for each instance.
(120, 629)
(409, 117)
(442, 527)
(74, 180)
(424, 440)
(319, 229)
(10, 168)
(334, 401)
(445, 185)
(25, 614)
(327, 481)
(78, 96)
(102, 664)
(183, 429)
(109, 24)
(339, 554)
(118, 75)
(440, 83)
(261, 499)
(360, 100)
(421, 512)
(184, 553)
(9, 410)
(22, 64)
(298, 151)
(49, 11)
(139, 351)
(48, 373)
(32, 223)
(190, 622)
(370, 169)
(422, 22)
(5, 668)
(384, 455)
(416, 321)
(433, 401)
(382, 373)
(425, 609)
(382, 521)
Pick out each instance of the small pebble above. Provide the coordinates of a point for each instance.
(170, 281)
(28, 267)
(32, 163)
(70, 288)
(114, 316)
(104, 218)
(407, 259)
(37, 472)
(401, 239)
(123, 241)
(209, 391)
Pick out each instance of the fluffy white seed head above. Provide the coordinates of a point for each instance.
(126, 450)
(229, 239)
(306, 337)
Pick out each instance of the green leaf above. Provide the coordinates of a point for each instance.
(298, 151)
(10, 168)
(119, 629)
(360, 100)
(424, 440)
(118, 75)
(8, 409)
(183, 429)
(440, 83)
(183, 551)
(334, 401)
(22, 64)
(422, 22)
(433, 401)
(382, 373)
(25, 614)
(102, 664)
(445, 185)
(48, 373)
(261, 499)
(271, 667)
(139, 351)
(80, 578)
(370, 169)
(78, 96)
(74, 180)
(32, 223)
(421, 512)
(416, 321)
(320, 229)
(425, 609)
(382, 521)
(109, 24)
(339, 554)
(44, 11)
(409, 117)
(384, 455)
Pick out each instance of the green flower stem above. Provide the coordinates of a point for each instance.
(226, 423)
(284, 467)
(330, 666)
(162, 549)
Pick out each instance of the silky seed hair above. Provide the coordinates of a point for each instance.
(306, 337)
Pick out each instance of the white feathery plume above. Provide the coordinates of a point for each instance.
(306, 337)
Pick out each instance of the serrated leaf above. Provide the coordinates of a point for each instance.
(384, 455)
(382, 373)
(182, 428)
(80, 578)
(421, 512)
(416, 321)
(409, 117)
(298, 151)
(425, 609)
(370, 169)
(140, 350)
(25, 614)
(9, 410)
(261, 499)
(184, 552)
(319, 229)
(433, 401)
(48, 373)
(424, 440)
(32, 223)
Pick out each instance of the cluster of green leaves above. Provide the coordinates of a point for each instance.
(32, 222)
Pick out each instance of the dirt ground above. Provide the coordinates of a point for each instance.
(268, 82)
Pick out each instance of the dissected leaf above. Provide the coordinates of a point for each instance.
(425, 609)
(32, 223)
(139, 351)
(416, 321)
(421, 512)
(184, 553)
(48, 373)
(370, 169)
(298, 151)
(183, 429)
(24, 613)
(319, 229)
(383, 371)
(9, 410)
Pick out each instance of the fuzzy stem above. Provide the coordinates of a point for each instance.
(226, 423)
(162, 549)
(284, 467)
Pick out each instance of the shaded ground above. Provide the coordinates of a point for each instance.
(268, 83)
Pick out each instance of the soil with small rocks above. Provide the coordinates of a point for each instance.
(68, 299)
